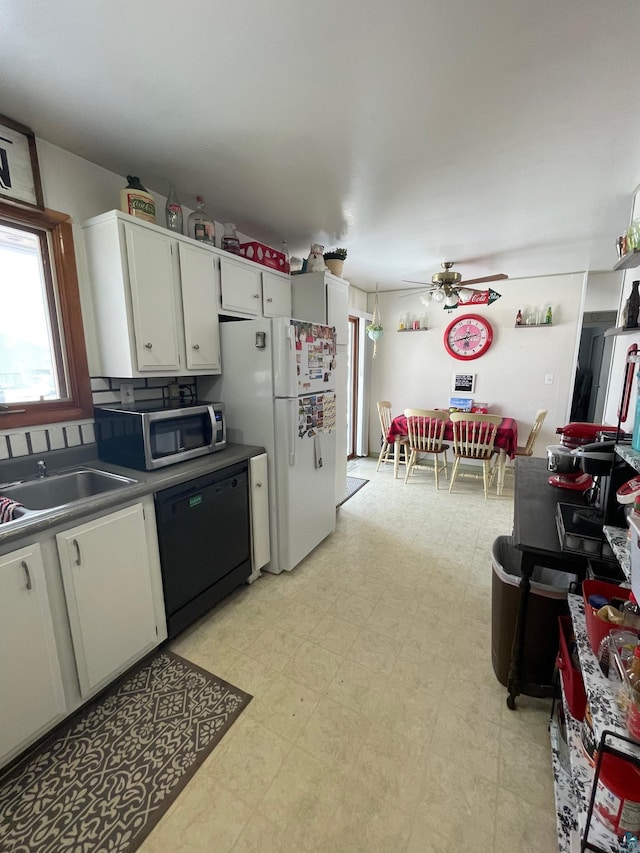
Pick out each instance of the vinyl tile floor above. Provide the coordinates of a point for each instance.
(377, 723)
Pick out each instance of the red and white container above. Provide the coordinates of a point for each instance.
(617, 802)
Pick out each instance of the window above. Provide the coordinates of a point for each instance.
(43, 363)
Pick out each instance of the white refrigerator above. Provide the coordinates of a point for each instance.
(277, 385)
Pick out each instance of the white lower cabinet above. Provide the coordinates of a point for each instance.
(108, 589)
(259, 505)
(30, 678)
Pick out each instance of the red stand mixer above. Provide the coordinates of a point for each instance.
(568, 472)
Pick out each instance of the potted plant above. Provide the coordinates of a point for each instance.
(335, 261)
(374, 330)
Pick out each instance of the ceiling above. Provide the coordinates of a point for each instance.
(501, 134)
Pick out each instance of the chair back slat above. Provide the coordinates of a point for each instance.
(425, 428)
(384, 414)
(535, 429)
(474, 435)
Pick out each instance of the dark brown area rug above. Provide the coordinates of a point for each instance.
(106, 778)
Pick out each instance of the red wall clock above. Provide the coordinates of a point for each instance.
(468, 337)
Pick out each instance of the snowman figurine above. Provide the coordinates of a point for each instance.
(315, 261)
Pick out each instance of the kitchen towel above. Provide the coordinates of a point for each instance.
(8, 509)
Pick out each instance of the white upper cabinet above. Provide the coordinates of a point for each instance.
(245, 289)
(276, 295)
(322, 298)
(240, 287)
(199, 305)
(155, 299)
(153, 287)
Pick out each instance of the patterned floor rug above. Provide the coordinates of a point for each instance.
(105, 780)
(354, 484)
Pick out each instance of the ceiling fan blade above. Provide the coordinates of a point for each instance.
(413, 281)
(498, 277)
(415, 293)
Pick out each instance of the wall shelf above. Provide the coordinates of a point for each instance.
(628, 260)
(532, 325)
(620, 330)
(412, 330)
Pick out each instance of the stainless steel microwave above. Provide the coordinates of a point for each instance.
(152, 436)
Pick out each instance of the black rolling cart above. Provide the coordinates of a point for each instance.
(535, 535)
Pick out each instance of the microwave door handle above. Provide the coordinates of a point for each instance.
(292, 424)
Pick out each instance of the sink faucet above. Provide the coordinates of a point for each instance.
(41, 468)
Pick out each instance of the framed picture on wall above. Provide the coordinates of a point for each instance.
(19, 169)
(464, 383)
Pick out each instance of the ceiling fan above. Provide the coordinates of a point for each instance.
(449, 288)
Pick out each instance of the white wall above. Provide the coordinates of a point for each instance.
(414, 369)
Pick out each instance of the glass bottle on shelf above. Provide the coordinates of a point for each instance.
(173, 211)
(633, 307)
(548, 318)
(286, 267)
(200, 224)
(519, 317)
(230, 242)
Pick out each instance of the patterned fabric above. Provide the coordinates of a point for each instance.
(108, 777)
(506, 437)
(7, 509)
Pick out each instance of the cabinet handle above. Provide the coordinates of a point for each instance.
(78, 556)
(148, 346)
(269, 299)
(258, 485)
(196, 346)
(256, 296)
(27, 574)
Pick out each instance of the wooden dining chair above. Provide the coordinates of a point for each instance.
(527, 449)
(474, 437)
(426, 431)
(387, 449)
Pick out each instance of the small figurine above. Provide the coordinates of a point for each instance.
(315, 261)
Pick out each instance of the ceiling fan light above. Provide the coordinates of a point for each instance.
(438, 296)
(426, 299)
(451, 300)
(465, 294)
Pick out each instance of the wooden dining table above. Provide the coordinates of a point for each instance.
(505, 444)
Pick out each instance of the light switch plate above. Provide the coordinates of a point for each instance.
(548, 379)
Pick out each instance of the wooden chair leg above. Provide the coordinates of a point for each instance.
(436, 466)
(446, 464)
(410, 464)
(486, 476)
(384, 453)
(454, 472)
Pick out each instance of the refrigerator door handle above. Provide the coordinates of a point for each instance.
(292, 424)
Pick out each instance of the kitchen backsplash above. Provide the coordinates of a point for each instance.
(105, 390)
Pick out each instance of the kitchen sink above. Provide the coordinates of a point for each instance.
(64, 487)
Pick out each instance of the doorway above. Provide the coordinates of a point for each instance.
(352, 387)
(594, 362)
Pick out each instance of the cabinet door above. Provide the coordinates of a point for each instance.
(200, 308)
(338, 309)
(259, 492)
(153, 298)
(276, 296)
(32, 692)
(240, 286)
(107, 583)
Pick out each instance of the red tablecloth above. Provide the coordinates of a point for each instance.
(506, 437)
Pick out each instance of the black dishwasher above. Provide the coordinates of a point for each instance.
(204, 540)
